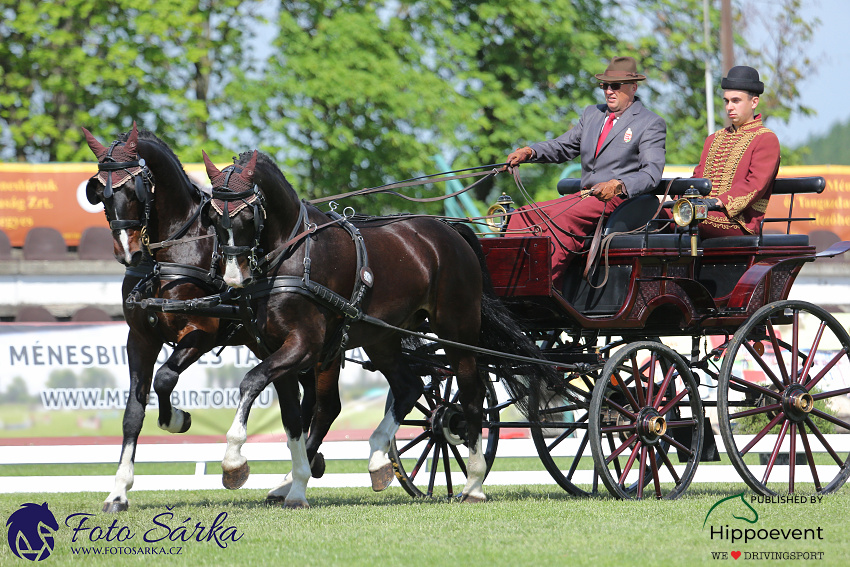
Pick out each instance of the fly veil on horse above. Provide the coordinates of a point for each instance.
(151, 203)
(402, 270)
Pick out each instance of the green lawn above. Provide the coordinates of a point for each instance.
(528, 525)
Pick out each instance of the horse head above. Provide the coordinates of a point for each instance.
(124, 185)
(237, 211)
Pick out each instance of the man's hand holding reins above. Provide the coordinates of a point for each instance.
(607, 190)
(518, 156)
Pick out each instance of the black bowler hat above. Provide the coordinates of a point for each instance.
(742, 78)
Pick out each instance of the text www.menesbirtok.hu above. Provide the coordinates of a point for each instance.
(122, 550)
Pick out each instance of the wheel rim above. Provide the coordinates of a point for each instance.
(783, 384)
(646, 403)
(429, 452)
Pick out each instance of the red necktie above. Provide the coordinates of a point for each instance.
(609, 123)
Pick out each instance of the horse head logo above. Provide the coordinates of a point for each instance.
(733, 508)
(31, 530)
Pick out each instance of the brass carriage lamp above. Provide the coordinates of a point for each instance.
(689, 211)
(497, 214)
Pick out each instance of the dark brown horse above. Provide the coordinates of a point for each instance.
(409, 270)
(148, 196)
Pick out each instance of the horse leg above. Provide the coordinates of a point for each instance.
(406, 388)
(235, 469)
(189, 349)
(326, 407)
(471, 390)
(141, 357)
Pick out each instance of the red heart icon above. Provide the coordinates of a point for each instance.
(736, 554)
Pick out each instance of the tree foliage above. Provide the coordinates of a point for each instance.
(347, 94)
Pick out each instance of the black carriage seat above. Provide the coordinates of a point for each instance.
(638, 211)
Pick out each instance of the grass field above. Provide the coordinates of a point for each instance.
(530, 525)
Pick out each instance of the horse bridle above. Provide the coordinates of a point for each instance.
(144, 188)
(250, 198)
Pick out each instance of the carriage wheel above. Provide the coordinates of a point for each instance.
(783, 390)
(429, 451)
(645, 403)
(560, 433)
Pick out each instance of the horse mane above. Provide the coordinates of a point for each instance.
(150, 137)
(266, 166)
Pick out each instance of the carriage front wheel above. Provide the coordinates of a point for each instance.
(784, 389)
(645, 408)
(430, 449)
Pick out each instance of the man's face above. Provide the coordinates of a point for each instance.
(740, 106)
(620, 98)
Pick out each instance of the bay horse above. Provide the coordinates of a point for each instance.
(148, 198)
(402, 270)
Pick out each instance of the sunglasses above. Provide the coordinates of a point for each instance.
(612, 86)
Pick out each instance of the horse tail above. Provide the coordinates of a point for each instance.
(501, 332)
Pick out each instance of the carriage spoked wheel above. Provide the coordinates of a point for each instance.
(559, 428)
(430, 449)
(645, 403)
(783, 394)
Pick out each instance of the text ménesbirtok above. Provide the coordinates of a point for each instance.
(166, 527)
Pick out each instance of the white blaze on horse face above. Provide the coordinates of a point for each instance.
(232, 273)
(124, 236)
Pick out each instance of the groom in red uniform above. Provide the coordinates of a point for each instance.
(622, 148)
(741, 161)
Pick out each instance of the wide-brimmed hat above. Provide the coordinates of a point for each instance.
(621, 70)
(742, 78)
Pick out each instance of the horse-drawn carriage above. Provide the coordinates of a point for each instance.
(622, 400)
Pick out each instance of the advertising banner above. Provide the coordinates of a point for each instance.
(68, 379)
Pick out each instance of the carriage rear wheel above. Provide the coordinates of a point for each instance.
(645, 403)
(784, 390)
(430, 449)
(560, 433)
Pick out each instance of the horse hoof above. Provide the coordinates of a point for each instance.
(317, 466)
(471, 499)
(235, 478)
(187, 422)
(115, 506)
(382, 477)
(302, 505)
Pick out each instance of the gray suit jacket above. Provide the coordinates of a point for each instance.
(633, 151)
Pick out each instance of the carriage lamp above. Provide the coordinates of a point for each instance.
(689, 211)
(498, 213)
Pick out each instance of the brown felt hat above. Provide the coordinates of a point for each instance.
(621, 70)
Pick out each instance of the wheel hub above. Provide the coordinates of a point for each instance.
(448, 422)
(650, 426)
(797, 402)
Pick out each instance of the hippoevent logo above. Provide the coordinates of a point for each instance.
(30, 531)
(735, 522)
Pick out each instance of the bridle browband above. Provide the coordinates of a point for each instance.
(222, 197)
(143, 184)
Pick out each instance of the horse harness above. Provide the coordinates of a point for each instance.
(261, 266)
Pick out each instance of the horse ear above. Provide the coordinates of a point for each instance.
(212, 170)
(96, 147)
(248, 171)
(133, 140)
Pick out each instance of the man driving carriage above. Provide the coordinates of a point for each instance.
(741, 160)
(622, 149)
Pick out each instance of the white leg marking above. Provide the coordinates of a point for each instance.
(124, 235)
(297, 496)
(124, 476)
(476, 468)
(281, 490)
(236, 437)
(176, 423)
(379, 442)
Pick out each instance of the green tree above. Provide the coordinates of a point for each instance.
(99, 63)
(61, 379)
(17, 392)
